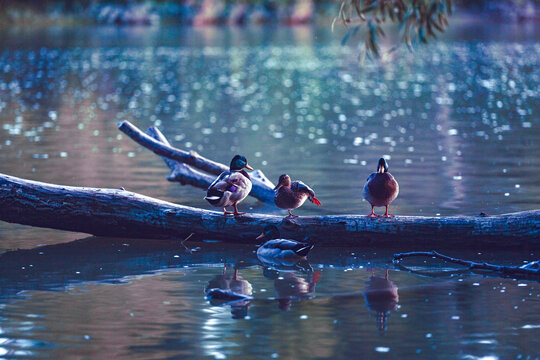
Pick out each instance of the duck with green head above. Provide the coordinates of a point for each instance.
(381, 188)
(231, 186)
(291, 195)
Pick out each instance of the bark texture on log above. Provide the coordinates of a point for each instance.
(182, 163)
(110, 212)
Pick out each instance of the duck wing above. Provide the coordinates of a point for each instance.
(224, 175)
(300, 187)
(299, 248)
(217, 188)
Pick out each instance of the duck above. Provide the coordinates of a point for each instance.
(231, 187)
(381, 188)
(279, 251)
(291, 195)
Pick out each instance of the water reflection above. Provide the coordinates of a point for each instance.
(233, 285)
(381, 296)
(291, 287)
(110, 278)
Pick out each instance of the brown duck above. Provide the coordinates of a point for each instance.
(291, 195)
(381, 188)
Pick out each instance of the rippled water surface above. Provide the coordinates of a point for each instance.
(458, 121)
(103, 298)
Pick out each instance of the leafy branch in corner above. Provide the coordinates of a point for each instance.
(418, 20)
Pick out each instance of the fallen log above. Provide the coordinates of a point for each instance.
(120, 213)
(182, 163)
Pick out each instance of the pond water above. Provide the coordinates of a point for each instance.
(458, 121)
(107, 298)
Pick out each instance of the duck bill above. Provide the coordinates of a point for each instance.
(278, 186)
(249, 167)
(260, 237)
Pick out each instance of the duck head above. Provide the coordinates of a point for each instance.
(239, 162)
(284, 180)
(382, 166)
(269, 232)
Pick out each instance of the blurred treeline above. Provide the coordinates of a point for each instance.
(202, 12)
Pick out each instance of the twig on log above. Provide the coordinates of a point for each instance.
(113, 212)
(181, 162)
(531, 269)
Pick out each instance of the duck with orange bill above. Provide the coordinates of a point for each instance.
(291, 195)
(381, 188)
(231, 186)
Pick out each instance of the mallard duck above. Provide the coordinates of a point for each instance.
(281, 251)
(291, 195)
(231, 186)
(381, 188)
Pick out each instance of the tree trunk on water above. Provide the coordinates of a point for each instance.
(112, 212)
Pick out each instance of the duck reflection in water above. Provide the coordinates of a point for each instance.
(291, 287)
(227, 289)
(381, 296)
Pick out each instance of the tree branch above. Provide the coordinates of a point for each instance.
(182, 162)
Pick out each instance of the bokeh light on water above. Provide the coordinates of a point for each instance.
(458, 121)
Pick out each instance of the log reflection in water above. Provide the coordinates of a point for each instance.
(113, 260)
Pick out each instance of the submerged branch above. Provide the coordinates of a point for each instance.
(531, 269)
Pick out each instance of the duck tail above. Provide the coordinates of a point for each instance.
(304, 250)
